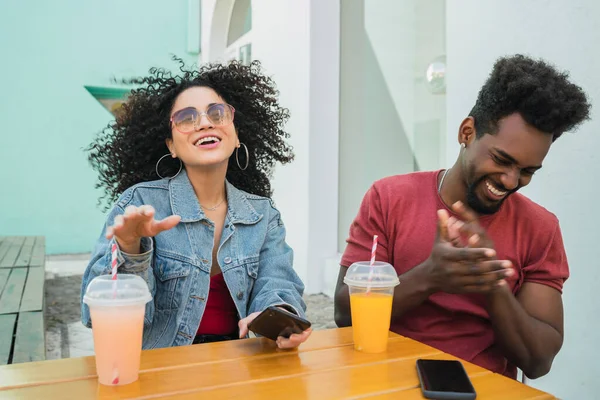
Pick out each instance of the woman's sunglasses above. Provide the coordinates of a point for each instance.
(188, 119)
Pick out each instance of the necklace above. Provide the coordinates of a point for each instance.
(442, 180)
(212, 208)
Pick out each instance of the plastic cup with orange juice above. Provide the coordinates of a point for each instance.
(371, 295)
(117, 311)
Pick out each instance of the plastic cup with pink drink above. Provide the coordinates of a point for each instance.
(117, 309)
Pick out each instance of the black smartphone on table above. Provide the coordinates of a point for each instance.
(274, 322)
(444, 379)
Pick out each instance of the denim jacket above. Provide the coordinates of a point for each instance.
(255, 259)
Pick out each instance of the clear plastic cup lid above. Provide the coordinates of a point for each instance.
(126, 290)
(383, 275)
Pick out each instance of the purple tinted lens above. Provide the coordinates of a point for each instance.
(185, 119)
(219, 114)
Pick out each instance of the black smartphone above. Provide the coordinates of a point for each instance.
(274, 322)
(444, 379)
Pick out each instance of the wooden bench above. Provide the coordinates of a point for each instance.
(22, 275)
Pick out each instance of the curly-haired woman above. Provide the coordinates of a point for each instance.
(187, 163)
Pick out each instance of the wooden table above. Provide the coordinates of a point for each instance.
(325, 367)
(22, 275)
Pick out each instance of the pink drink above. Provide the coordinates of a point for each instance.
(117, 325)
(118, 343)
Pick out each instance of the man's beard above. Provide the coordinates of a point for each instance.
(477, 205)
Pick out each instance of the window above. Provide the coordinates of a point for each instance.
(239, 32)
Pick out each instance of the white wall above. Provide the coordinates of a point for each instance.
(389, 122)
(377, 87)
(281, 43)
(297, 40)
(324, 110)
(567, 34)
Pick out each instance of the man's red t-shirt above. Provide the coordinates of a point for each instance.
(402, 211)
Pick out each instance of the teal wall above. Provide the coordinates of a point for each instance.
(49, 50)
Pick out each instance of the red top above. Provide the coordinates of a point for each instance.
(220, 316)
(402, 211)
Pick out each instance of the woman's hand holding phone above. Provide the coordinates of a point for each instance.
(294, 340)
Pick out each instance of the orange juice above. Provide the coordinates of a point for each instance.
(371, 314)
(371, 286)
